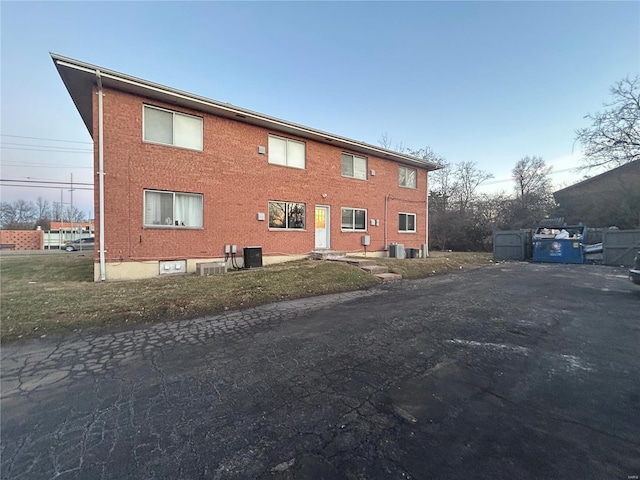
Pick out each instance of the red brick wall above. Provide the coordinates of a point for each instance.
(237, 182)
(23, 239)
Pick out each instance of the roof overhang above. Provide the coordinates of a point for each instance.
(79, 78)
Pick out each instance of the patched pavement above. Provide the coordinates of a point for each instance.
(512, 371)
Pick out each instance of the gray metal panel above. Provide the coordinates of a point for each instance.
(620, 246)
(511, 245)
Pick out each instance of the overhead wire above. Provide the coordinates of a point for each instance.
(45, 139)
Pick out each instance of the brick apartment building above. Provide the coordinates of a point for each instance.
(183, 176)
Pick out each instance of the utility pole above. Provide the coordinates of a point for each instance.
(73, 236)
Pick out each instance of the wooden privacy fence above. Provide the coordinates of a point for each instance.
(512, 244)
(620, 246)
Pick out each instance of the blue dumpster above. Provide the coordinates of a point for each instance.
(550, 249)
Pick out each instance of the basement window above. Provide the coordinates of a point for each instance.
(167, 127)
(172, 209)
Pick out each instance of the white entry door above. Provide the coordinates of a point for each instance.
(322, 227)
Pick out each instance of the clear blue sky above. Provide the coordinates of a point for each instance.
(488, 82)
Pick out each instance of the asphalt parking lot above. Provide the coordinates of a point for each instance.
(514, 371)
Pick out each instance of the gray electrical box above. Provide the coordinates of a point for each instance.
(396, 250)
(365, 240)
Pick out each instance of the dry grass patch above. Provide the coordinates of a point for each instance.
(55, 294)
(51, 295)
(438, 262)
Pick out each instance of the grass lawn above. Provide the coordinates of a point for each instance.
(55, 294)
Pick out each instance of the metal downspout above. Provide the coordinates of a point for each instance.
(426, 221)
(386, 202)
(103, 273)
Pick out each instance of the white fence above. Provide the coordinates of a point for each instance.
(53, 240)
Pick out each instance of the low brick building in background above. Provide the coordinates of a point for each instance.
(185, 176)
(609, 199)
(22, 239)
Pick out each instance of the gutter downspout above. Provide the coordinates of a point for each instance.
(426, 222)
(386, 203)
(103, 274)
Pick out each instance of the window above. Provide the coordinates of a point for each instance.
(283, 151)
(406, 222)
(287, 215)
(354, 219)
(407, 177)
(172, 128)
(354, 166)
(170, 209)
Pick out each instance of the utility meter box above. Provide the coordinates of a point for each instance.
(365, 240)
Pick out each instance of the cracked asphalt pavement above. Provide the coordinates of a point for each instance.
(514, 371)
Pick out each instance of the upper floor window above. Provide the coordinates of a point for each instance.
(172, 128)
(406, 222)
(407, 177)
(354, 166)
(287, 152)
(172, 209)
(286, 215)
(354, 219)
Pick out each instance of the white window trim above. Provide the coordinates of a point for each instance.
(172, 144)
(172, 226)
(273, 229)
(286, 154)
(366, 166)
(408, 186)
(415, 222)
(366, 216)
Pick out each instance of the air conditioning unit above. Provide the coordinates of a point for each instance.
(211, 268)
(396, 250)
(252, 257)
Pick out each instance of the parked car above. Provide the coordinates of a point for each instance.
(80, 244)
(634, 273)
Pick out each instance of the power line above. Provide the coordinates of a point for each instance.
(504, 180)
(41, 165)
(47, 150)
(43, 181)
(46, 139)
(44, 146)
(45, 186)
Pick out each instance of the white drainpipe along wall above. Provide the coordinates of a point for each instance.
(103, 272)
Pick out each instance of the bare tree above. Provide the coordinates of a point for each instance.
(614, 135)
(57, 212)
(533, 184)
(18, 215)
(74, 215)
(43, 208)
(533, 198)
(467, 180)
(43, 213)
(386, 142)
